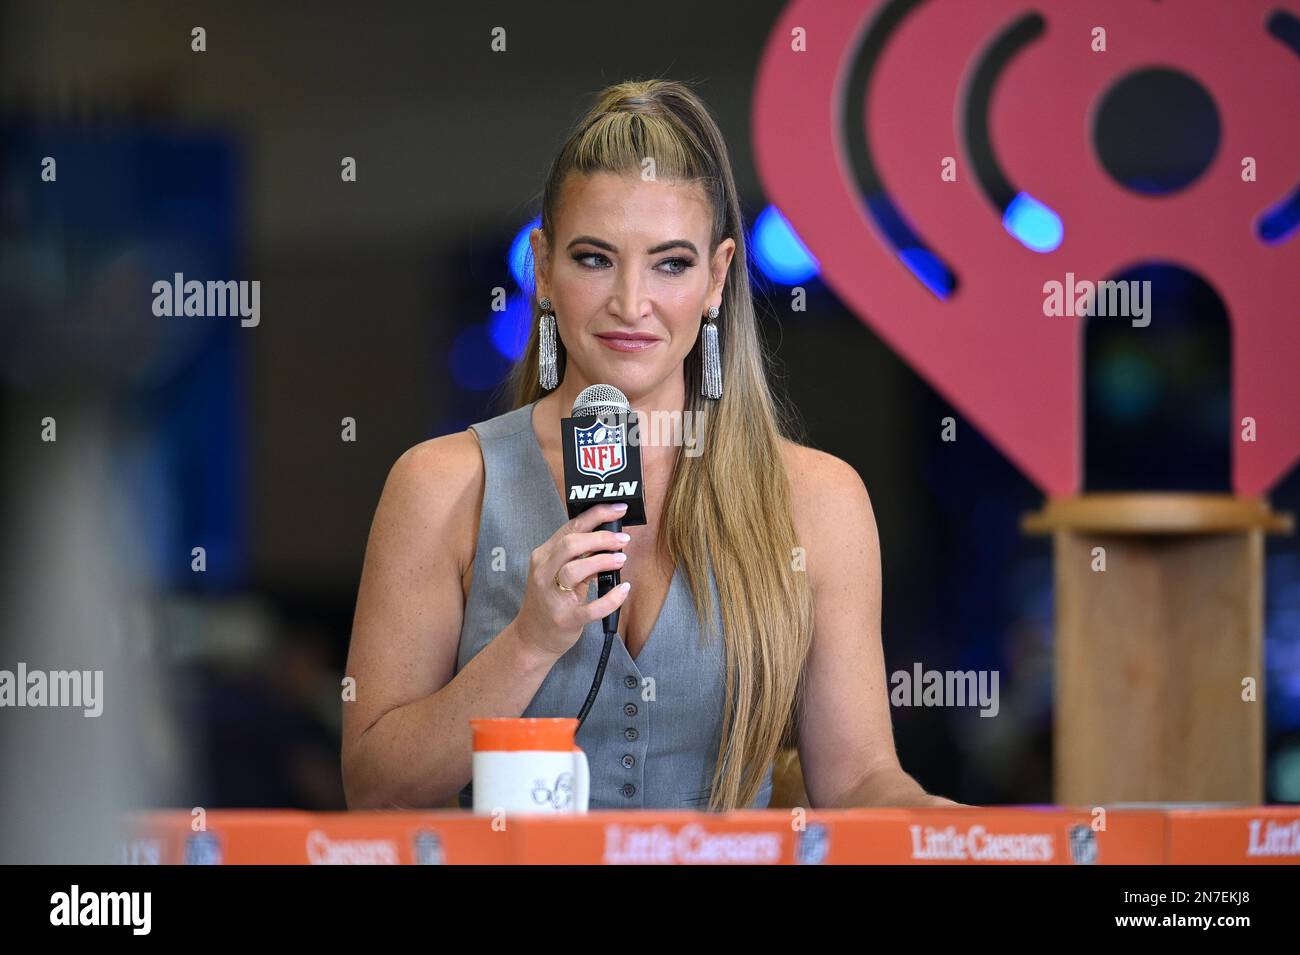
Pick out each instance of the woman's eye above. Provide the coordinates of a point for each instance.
(595, 260)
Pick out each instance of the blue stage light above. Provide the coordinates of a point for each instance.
(475, 363)
(925, 265)
(1280, 221)
(1035, 225)
(778, 252)
(509, 329)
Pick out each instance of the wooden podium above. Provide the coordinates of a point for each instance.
(1152, 651)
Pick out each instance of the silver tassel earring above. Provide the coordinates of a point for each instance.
(712, 384)
(547, 359)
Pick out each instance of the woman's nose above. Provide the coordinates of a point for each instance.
(630, 301)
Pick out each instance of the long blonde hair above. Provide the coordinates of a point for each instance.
(730, 504)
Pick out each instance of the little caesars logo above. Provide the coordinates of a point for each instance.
(690, 845)
(980, 845)
(321, 850)
(1268, 838)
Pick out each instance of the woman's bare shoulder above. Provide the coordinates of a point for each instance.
(447, 459)
(433, 492)
(828, 497)
(814, 473)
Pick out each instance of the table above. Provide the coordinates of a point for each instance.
(1032, 835)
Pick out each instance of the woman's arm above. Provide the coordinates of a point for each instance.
(406, 737)
(846, 740)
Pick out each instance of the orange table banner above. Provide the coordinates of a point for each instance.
(275, 837)
(882, 836)
(1047, 835)
(1260, 835)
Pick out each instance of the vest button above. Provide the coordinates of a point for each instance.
(630, 733)
(629, 761)
(629, 682)
(629, 790)
(630, 709)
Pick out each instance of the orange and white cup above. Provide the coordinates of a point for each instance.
(529, 765)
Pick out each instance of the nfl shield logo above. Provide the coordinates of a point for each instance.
(813, 845)
(202, 848)
(428, 848)
(1083, 845)
(599, 449)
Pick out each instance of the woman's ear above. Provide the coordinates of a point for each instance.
(719, 265)
(541, 262)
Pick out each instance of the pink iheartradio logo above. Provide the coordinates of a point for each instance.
(939, 158)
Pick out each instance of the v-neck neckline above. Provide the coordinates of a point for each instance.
(562, 512)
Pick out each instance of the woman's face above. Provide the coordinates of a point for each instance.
(629, 278)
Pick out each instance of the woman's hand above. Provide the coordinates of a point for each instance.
(551, 620)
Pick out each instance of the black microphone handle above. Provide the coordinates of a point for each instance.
(607, 580)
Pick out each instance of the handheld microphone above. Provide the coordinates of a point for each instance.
(602, 467)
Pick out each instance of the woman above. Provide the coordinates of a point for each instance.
(753, 614)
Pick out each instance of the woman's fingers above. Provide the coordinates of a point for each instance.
(578, 572)
(602, 607)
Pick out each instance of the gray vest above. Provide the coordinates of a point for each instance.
(652, 736)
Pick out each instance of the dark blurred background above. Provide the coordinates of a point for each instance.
(376, 305)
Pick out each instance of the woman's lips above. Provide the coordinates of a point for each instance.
(629, 344)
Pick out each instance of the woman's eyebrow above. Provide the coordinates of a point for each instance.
(661, 247)
(673, 244)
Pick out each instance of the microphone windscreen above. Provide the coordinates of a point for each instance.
(599, 400)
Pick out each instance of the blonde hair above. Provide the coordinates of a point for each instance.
(730, 505)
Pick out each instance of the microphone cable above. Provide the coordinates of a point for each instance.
(610, 625)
